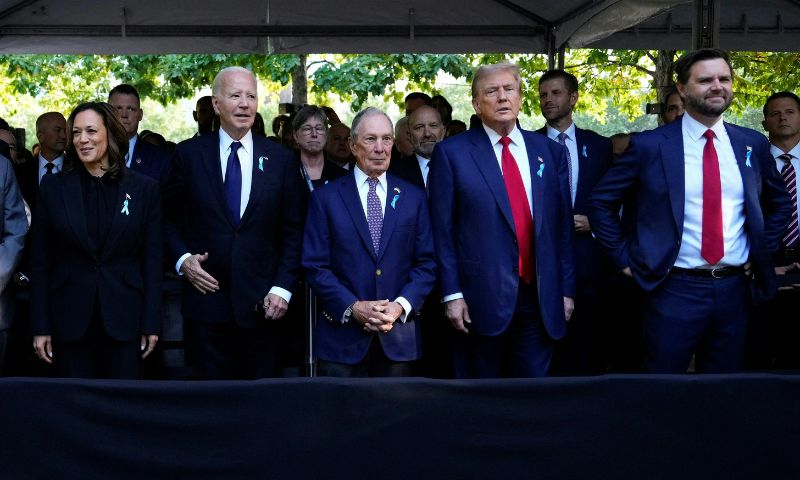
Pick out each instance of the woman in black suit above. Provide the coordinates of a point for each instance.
(96, 255)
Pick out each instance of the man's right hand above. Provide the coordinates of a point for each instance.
(456, 311)
(372, 315)
(199, 278)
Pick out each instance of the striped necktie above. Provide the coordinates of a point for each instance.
(790, 179)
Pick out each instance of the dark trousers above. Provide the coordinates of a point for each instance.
(226, 351)
(375, 364)
(524, 350)
(3, 351)
(581, 350)
(97, 355)
(703, 316)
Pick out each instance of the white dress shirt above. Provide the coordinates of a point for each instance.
(131, 145)
(795, 153)
(572, 145)
(245, 154)
(363, 189)
(520, 154)
(424, 167)
(736, 243)
(58, 164)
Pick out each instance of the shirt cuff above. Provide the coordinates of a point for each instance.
(451, 297)
(406, 308)
(283, 293)
(180, 262)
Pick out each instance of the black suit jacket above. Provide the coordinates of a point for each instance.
(247, 260)
(408, 169)
(68, 276)
(151, 161)
(28, 180)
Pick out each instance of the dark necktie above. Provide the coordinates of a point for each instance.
(520, 210)
(562, 139)
(790, 179)
(712, 248)
(233, 184)
(374, 214)
(49, 167)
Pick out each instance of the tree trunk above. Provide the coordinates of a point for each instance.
(300, 83)
(663, 80)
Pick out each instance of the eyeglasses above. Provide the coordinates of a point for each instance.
(307, 129)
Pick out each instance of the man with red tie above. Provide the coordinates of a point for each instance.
(503, 230)
(711, 209)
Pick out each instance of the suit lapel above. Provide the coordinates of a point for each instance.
(393, 202)
(352, 202)
(583, 166)
(258, 181)
(742, 151)
(672, 162)
(75, 210)
(535, 159)
(209, 154)
(485, 159)
(121, 220)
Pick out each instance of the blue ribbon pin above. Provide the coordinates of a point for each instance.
(125, 205)
(747, 158)
(396, 196)
(541, 169)
(261, 163)
(585, 155)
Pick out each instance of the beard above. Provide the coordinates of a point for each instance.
(702, 107)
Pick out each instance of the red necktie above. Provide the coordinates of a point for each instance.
(520, 210)
(713, 247)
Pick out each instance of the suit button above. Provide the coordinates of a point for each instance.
(378, 272)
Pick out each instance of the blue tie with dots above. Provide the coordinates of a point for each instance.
(374, 214)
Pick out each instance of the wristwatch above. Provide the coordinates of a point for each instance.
(348, 313)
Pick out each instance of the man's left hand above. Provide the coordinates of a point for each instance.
(274, 307)
(582, 224)
(569, 307)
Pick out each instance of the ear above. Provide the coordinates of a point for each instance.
(140, 114)
(214, 104)
(681, 88)
(476, 106)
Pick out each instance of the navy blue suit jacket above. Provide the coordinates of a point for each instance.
(474, 229)
(261, 252)
(653, 168)
(67, 274)
(151, 161)
(341, 266)
(407, 168)
(595, 156)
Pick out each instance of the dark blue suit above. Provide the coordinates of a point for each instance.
(247, 260)
(72, 283)
(475, 236)
(341, 266)
(653, 168)
(407, 168)
(151, 161)
(579, 353)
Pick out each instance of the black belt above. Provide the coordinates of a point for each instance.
(717, 272)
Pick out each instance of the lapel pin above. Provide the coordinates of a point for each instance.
(138, 160)
(540, 159)
(585, 155)
(396, 196)
(261, 161)
(747, 156)
(541, 169)
(125, 205)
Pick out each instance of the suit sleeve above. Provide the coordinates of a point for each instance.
(173, 198)
(423, 274)
(15, 225)
(40, 258)
(152, 266)
(293, 211)
(316, 260)
(776, 205)
(606, 200)
(442, 201)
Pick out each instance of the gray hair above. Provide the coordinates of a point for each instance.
(486, 70)
(367, 112)
(218, 79)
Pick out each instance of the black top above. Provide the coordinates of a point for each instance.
(99, 198)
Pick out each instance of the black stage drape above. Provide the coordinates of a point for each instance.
(620, 427)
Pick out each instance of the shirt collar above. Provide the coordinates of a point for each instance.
(361, 178)
(776, 152)
(553, 133)
(225, 141)
(58, 161)
(422, 160)
(695, 130)
(515, 135)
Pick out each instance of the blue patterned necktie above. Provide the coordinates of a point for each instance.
(233, 184)
(374, 214)
(562, 139)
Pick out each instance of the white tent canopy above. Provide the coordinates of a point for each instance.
(379, 26)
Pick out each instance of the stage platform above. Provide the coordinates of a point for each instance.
(616, 427)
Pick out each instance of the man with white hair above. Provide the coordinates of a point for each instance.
(234, 206)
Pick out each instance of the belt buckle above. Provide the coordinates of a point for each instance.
(714, 272)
